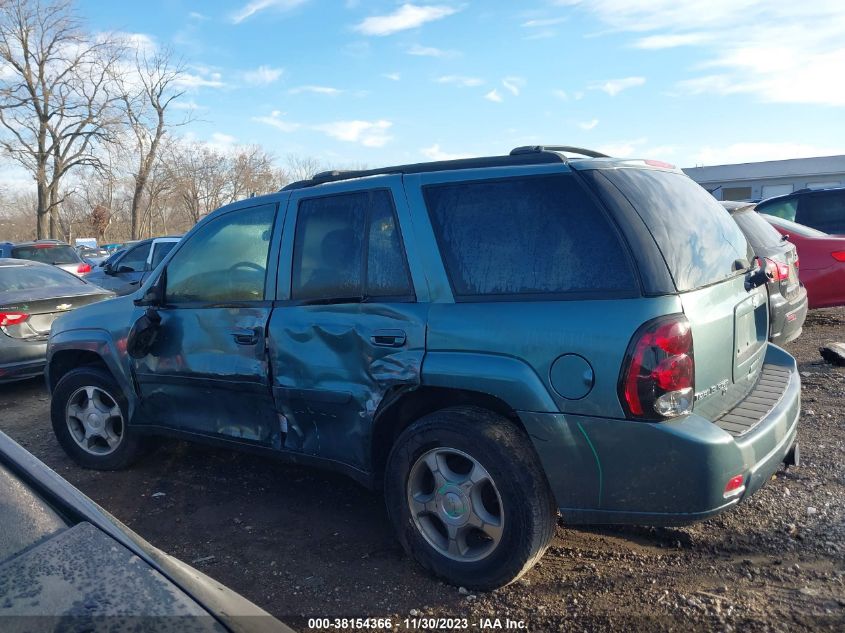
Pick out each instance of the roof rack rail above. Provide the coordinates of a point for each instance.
(523, 158)
(530, 149)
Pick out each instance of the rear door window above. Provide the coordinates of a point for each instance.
(348, 247)
(537, 236)
(825, 212)
(760, 234)
(160, 251)
(700, 242)
(780, 208)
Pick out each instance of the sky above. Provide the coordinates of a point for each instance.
(373, 82)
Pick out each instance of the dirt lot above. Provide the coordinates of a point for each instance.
(303, 543)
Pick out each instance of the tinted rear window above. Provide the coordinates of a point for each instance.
(760, 234)
(825, 212)
(699, 241)
(539, 235)
(30, 277)
(47, 254)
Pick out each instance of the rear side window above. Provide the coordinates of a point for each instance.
(537, 235)
(699, 241)
(47, 254)
(825, 212)
(31, 277)
(348, 247)
(758, 232)
(780, 208)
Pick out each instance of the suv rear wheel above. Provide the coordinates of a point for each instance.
(468, 498)
(89, 415)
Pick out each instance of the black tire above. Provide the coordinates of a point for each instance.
(131, 446)
(528, 507)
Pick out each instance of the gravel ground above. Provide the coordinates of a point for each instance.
(305, 544)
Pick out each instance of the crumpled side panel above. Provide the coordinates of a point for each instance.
(333, 365)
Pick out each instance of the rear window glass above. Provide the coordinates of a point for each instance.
(539, 235)
(47, 254)
(779, 208)
(30, 277)
(759, 233)
(700, 242)
(799, 229)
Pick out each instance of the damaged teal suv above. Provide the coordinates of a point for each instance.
(490, 341)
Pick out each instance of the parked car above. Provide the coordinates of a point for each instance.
(32, 295)
(489, 340)
(822, 262)
(66, 565)
(787, 296)
(50, 252)
(821, 209)
(92, 255)
(125, 271)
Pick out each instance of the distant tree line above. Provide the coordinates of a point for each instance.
(91, 117)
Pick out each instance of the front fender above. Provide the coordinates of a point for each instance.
(101, 343)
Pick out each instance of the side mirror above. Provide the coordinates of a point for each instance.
(125, 269)
(143, 334)
(154, 295)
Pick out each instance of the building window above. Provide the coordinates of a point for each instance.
(736, 193)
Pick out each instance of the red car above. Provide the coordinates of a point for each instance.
(822, 258)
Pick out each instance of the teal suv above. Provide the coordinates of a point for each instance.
(490, 341)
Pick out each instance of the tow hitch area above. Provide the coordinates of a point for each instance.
(793, 457)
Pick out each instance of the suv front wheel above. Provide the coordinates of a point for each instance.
(468, 498)
(89, 415)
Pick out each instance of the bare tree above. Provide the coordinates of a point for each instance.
(301, 167)
(56, 97)
(147, 94)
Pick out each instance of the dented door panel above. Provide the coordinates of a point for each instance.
(332, 366)
(203, 376)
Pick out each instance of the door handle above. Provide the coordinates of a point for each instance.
(245, 336)
(388, 338)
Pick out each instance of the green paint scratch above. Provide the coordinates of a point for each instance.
(596, 455)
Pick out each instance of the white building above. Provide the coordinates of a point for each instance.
(758, 181)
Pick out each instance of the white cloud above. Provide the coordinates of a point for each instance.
(203, 78)
(392, 76)
(275, 120)
(778, 51)
(408, 16)
(588, 125)
(749, 152)
(672, 40)
(614, 86)
(459, 80)
(186, 105)
(493, 96)
(263, 75)
(256, 6)
(367, 133)
(540, 23)
(320, 90)
(560, 94)
(196, 15)
(435, 153)
(623, 149)
(430, 51)
(513, 84)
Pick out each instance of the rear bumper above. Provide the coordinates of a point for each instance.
(672, 473)
(787, 317)
(21, 359)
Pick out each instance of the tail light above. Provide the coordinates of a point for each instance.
(84, 268)
(12, 318)
(777, 271)
(658, 374)
(838, 256)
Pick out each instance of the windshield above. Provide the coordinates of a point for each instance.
(700, 242)
(47, 253)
